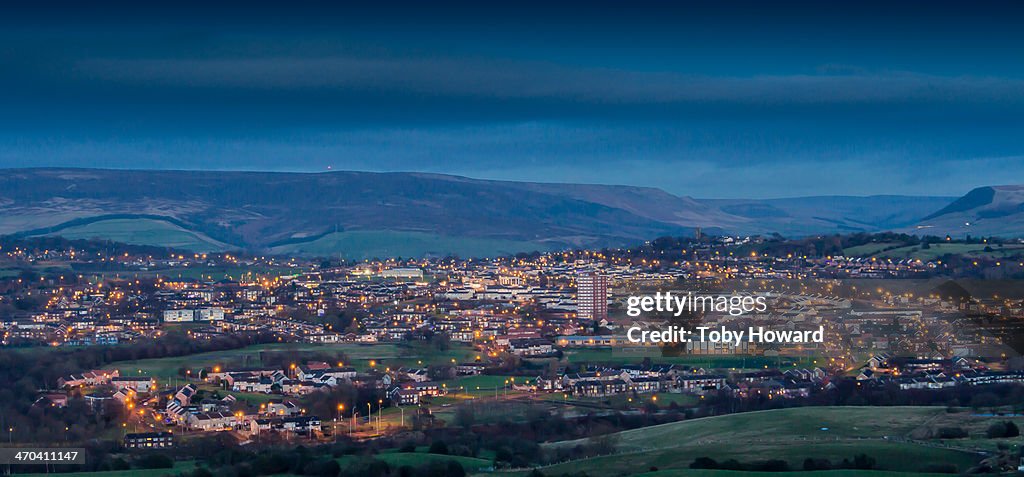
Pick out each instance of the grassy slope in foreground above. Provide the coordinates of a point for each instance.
(416, 459)
(359, 245)
(788, 434)
(144, 232)
(799, 473)
(179, 468)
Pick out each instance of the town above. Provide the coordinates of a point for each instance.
(291, 350)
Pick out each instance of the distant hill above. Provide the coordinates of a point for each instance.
(294, 211)
(364, 214)
(830, 214)
(984, 211)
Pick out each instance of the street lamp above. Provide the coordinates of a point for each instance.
(341, 407)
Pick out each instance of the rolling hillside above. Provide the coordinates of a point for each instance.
(995, 210)
(262, 211)
(363, 214)
(142, 231)
(831, 214)
(891, 435)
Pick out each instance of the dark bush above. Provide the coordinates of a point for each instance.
(275, 463)
(322, 468)
(817, 464)
(119, 464)
(732, 464)
(1000, 430)
(438, 447)
(704, 463)
(773, 465)
(455, 470)
(154, 461)
(863, 462)
(201, 472)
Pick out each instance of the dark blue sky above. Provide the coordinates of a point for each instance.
(717, 99)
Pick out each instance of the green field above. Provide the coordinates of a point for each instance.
(144, 232)
(163, 368)
(820, 473)
(788, 434)
(179, 467)
(415, 459)
(897, 457)
(361, 356)
(361, 245)
(805, 421)
(935, 251)
(485, 383)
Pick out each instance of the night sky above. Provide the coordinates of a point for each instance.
(717, 99)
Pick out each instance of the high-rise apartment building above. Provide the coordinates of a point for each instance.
(591, 296)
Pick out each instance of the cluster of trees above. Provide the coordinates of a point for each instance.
(43, 243)
(670, 249)
(221, 457)
(859, 462)
(997, 430)
(379, 468)
(354, 399)
(849, 392)
(1002, 430)
(283, 359)
(297, 461)
(515, 444)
